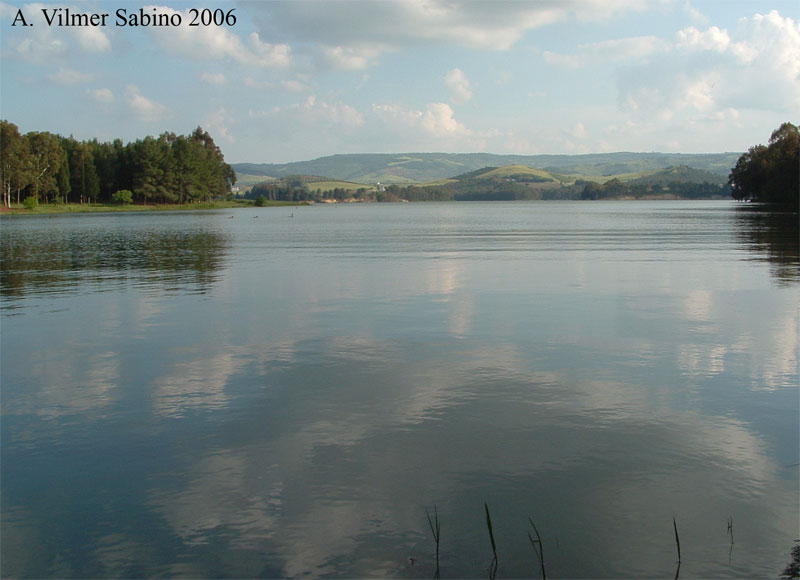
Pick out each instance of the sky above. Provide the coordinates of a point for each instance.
(283, 81)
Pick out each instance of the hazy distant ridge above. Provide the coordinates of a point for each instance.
(426, 167)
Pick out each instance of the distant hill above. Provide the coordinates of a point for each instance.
(520, 173)
(417, 168)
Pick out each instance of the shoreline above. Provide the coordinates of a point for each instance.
(76, 208)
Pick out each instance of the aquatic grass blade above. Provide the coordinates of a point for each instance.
(537, 547)
(436, 531)
(494, 563)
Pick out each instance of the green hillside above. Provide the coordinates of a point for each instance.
(681, 174)
(508, 182)
(418, 168)
(521, 173)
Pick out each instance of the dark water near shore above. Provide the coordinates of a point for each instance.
(186, 394)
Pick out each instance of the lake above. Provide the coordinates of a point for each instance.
(286, 392)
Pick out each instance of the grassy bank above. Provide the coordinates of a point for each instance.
(59, 208)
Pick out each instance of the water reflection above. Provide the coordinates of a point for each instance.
(195, 383)
(52, 256)
(299, 416)
(364, 433)
(774, 236)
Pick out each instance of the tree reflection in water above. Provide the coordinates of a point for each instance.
(33, 261)
(774, 236)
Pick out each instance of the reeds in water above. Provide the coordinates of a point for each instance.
(436, 531)
(678, 543)
(493, 564)
(537, 547)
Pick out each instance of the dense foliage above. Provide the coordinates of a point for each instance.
(616, 189)
(168, 169)
(298, 188)
(770, 174)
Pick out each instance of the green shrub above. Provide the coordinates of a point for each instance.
(123, 196)
(30, 203)
(261, 201)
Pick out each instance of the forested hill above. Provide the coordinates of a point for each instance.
(426, 167)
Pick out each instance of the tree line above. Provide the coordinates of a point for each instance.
(615, 189)
(495, 189)
(771, 173)
(171, 168)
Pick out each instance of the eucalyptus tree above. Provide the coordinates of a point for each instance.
(46, 160)
(84, 184)
(14, 172)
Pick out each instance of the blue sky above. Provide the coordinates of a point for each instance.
(297, 80)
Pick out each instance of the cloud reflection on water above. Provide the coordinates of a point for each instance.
(314, 482)
(300, 416)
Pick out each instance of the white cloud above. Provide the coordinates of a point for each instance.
(294, 86)
(217, 124)
(701, 75)
(288, 85)
(578, 131)
(458, 84)
(438, 120)
(217, 79)
(397, 116)
(93, 39)
(394, 24)
(621, 50)
(217, 43)
(755, 67)
(44, 43)
(68, 76)
(695, 14)
(145, 109)
(350, 57)
(314, 113)
(102, 96)
(712, 39)
(261, 53)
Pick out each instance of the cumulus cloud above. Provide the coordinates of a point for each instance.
(708, 73)
(68, 76)
(395, 24)
(458, 84)
(578, 131)
(294, 86)
(622, 50)
(44, 43)
(217, 123)
(145, 109)
(756, 66)
(217, 79)
(438, 120)
(102, 96)
(92, 39)
(350, 57)
(316, 113)
(217, 43)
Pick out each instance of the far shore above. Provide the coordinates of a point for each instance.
(71, 208)
(62, 208)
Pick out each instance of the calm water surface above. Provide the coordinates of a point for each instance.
(194, 395)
